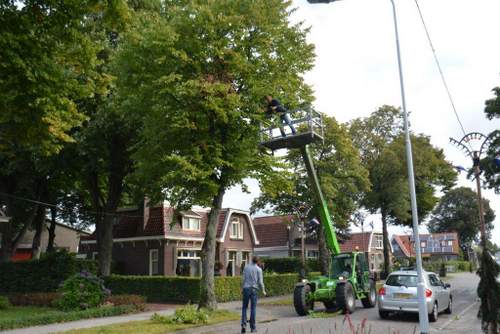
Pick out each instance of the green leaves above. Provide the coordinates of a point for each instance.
(195, 77)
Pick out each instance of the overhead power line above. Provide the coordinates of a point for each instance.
(439, 68)
(103, 213)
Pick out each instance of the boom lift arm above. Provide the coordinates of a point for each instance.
(325, 218)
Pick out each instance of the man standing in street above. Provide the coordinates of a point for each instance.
(252, 282)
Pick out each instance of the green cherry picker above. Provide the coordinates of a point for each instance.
(348, 278)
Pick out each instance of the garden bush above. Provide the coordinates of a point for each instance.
(43, 275)
(187, 314)
(82, 291)
(187, 289)
(34, 299)
(4, 303)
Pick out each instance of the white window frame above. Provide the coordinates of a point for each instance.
(151, 252)
(450, 243)
(190, 223)
(94, 255)
(232, 261)
(423, 244)
(188, 254)
(239, 229)
(379, 241)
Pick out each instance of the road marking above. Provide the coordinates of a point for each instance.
(459, 315)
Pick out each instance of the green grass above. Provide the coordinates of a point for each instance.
(27, 316)
(152, 327)
(17, 313)
(287, 301)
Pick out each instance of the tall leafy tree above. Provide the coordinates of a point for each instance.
(197, 75)
(386, 160)
(49, 63)
(342, 177)
(458, 211)
(491, 164)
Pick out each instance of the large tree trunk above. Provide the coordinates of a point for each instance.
(324, 253)
(385, 242)
(39, 224)
(52, 230)
(207, 288)
(105, 245)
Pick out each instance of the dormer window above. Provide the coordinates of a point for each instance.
(191, 223)
(236, 229)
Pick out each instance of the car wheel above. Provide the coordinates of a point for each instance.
(371, 299)
(383, 314)
(449, 309)
(344, 294)
(433, 316)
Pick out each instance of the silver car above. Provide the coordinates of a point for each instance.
(399, 294)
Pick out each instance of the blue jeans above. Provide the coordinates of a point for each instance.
(249, 295)
(285, 119)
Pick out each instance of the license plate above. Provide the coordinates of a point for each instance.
(402, 295)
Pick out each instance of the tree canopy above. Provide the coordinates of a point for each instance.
(197, 75)
(491, 163)
(458, 211)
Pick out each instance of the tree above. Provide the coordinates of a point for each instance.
(488, 291)
(342, 178)
(385, 158)
(490, 165)
(197, 75)
(49, 63)
(458, 211)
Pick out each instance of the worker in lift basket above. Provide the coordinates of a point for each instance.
(274, 107)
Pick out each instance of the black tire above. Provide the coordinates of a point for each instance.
(383, 314)
(371, 299)
(450, 306)
(329, 305)
(344, 295)
(433, 316)
(300, 300)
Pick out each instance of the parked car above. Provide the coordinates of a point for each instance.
(399, 294)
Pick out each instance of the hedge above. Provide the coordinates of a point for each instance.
(186, 289)
(43, 275)
(434, 266)
(43, 319)
(283, 265)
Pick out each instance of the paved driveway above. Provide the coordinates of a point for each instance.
(282, 319)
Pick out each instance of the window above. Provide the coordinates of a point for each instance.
(153, 262)
(95, 256)
(434, 281)
(379, 243)
(422, 244)
(450, 242)
(245, 259)
(312, 254)
(188, 263)
(231, 263)
(236, 229)
(191, 223)
(402, 280)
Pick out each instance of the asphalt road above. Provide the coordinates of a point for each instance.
(283, 319)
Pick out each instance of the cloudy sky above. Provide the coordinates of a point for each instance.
(356, 69)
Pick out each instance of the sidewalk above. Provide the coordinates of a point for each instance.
(96, 322)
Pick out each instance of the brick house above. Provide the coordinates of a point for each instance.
(163, 241)
(280, 237)
(434, 246)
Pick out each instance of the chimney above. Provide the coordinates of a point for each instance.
(145, 212)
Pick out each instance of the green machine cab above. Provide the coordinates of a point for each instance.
(349, 277)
